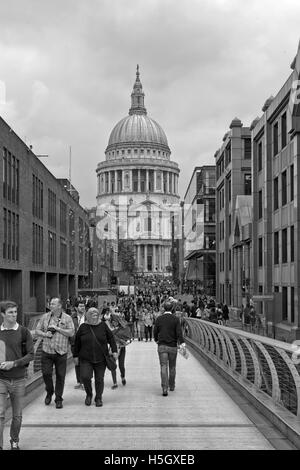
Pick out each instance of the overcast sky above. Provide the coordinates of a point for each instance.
(69, 66)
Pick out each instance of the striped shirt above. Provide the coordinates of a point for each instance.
(59, 343)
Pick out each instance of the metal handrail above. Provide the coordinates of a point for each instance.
(257, 362)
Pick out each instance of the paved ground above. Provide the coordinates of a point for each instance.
(197, 415)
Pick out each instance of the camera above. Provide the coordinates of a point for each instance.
(51, 329)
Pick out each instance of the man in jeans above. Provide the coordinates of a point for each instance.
(168, 334)
(55, 327)
(16, 351)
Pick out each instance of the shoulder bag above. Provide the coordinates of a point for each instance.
(110, 360)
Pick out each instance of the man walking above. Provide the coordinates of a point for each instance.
(168, 334)
(55, 327)
(78, 318)
(16, 351)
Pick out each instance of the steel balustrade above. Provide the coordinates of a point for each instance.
(257, 362)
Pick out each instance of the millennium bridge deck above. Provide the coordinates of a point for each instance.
(199, 414)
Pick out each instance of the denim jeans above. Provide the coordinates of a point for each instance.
(121, 363)
(167, 358)
(60, 363)
(15, 388)
(87, 369)
(148, 332)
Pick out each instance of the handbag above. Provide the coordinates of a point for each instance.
(110, 360)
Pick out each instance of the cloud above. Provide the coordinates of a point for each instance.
(69, 67)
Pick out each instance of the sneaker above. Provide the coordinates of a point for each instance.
(78, 386)
(165, 393)
(14, 445)
(48, 399)
(172, 389)
(59, 404)
(88, 400)
(123, 381)
(114, 386)
(98, 402)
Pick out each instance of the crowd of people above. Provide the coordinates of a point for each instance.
(98, 336)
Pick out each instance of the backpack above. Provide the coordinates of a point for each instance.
(23, 342)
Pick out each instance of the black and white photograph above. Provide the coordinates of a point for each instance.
(149, 228)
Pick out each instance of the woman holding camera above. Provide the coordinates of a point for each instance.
(91, 347)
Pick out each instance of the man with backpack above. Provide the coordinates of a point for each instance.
(16, 351)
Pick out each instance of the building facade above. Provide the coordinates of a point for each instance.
(233, 216)
(137, 191)
(44, 234)
(276, 210)
(200, 231)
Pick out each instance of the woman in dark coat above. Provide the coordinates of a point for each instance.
(91, 346)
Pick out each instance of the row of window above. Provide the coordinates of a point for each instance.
(284, 245)
(225, 158)
(284, 188)
(221, 191)
(135, 152)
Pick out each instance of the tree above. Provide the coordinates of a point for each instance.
(127, 256)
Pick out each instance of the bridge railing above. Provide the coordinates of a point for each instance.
(256, 362)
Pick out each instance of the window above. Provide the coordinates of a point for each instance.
(283, 188)
(284, 304)
(63, 253)
(10, 177)
(276, 248)
(71, 255)
(283, 131)
(229, 188)
(51, 249)
(247, 149)
(10, 235)
(37, 197)
(51, 209)
(229, 224)
(275, 139)
(260, 252)
(292, 304)
(284, 245)
(275, 194)
(260, 205)
(292, 244)
(292, 182)
(81, 230)
(71, 224)
(229, 260)
(247, 184)
(259, 156)
(37, 244)
(63, 217)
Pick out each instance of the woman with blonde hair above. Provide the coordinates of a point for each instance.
(91, 348)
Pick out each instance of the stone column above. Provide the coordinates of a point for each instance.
(147, 180)
(154, 259)
(139, 181)
(123, 181)
(116, 181)
(138, 257)
(98, 181)
(154, 181)
(109, 182)
(145, 257)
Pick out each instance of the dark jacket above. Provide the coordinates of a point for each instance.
(86, 346)
(14, 352)
(74, 317)
(167, 330)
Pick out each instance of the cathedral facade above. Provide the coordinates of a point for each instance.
(137, 189)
